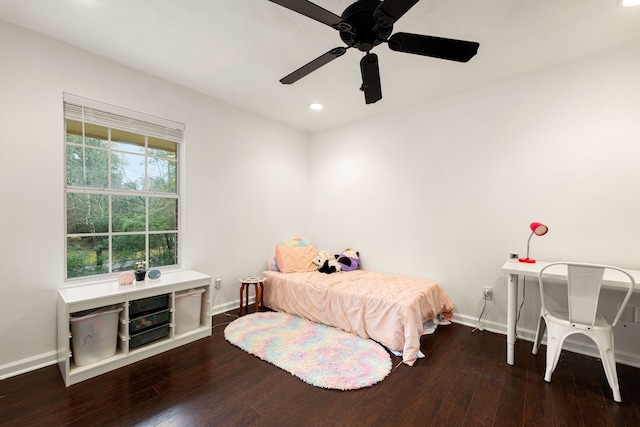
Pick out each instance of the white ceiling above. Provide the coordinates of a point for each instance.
(238, 50)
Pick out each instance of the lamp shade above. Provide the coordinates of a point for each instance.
(539, 229)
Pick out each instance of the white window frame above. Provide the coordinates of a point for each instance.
(114, 117)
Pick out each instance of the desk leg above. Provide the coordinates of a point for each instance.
(512, 302)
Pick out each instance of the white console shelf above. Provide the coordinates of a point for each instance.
(74, 300)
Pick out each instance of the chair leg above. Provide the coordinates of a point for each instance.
(554, 346)
(542, 325)
(607, 355)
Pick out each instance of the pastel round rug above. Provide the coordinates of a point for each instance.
(317, 354)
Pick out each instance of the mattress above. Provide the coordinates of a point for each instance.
(389, 309)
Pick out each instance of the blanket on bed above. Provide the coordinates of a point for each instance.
(387, 308)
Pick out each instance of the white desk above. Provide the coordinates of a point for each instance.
(513, 270)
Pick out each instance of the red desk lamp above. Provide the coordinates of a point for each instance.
(538, 229)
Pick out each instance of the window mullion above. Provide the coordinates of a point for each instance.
(146, 199)
(84, 152)
(110, 188)
(110, 233)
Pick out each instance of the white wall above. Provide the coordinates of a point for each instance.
(246, 181)
(446, 190)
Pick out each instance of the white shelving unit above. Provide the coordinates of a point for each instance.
(74, 300)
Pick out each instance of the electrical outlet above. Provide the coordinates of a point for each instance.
(487, 293)
(217, 282)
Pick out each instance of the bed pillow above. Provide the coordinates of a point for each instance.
(273, 265)
(295, 259)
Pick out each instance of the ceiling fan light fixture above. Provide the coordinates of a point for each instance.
(316, 106)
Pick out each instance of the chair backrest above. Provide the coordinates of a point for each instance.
(583, 290)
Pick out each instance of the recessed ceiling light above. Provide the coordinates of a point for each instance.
(316, 106)
(629, 3)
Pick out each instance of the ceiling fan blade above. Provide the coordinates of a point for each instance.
(313, 65)
(370, 78)
(394, 9)
(437, 47)
(313, 11)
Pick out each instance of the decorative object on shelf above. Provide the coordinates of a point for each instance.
(141, 270)
(154, 274)
(126, 278)
(538, 229)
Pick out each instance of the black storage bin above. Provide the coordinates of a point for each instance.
(147, 321)
(148, 336)
(144, 306)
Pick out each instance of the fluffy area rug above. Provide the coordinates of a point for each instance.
(317, 354)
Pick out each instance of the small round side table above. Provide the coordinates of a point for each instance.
(258, 283)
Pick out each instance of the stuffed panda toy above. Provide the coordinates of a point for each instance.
(349, 260)
(326, 262)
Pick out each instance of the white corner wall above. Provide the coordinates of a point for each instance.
(447, 189)
(235, 163)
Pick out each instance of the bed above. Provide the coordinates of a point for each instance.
(392, 310)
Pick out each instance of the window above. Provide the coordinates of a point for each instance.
(122, 193)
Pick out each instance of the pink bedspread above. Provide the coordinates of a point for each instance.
(387, 308)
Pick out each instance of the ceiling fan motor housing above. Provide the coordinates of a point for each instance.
(368, 27)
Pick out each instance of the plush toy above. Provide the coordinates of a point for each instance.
(296, 241)
(273, 265)
(126, 278)
(349, 260)
(326, 262)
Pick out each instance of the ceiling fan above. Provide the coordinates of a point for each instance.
(366, 24)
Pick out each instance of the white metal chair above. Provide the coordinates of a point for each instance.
(581, 317)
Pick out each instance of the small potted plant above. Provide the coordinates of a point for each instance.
(141, 270)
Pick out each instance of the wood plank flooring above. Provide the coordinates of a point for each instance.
(464, 381)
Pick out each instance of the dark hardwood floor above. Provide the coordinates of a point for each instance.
(464, 381)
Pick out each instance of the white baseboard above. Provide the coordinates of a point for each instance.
(29, 364)
(587, 349)
(222, 308)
